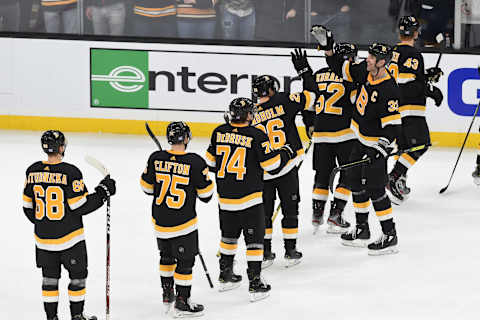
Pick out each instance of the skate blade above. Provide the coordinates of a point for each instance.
(357, 243)
(227, 286)
(187, 314)
(266, 264)
(292, 262)
(257, 296)
(333, 229)
(382, 252)
(167, 307)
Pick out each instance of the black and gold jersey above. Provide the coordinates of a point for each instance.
(155, 8)
(58, 5)
(375, 113)
(333, 108)
(276, 118)
(175, 179)
(54, 192)
(239, 155)
(408, 68)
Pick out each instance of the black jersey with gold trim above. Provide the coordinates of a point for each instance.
(276, 117)
(239, 155)
(333, 108)
(375, 113)
(408, 68)
(54, 192)
(155, 8)
(175, 179)
(58, 5)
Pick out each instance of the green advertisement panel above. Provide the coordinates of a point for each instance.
(119, 78)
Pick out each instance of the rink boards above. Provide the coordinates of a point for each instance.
(84, 86)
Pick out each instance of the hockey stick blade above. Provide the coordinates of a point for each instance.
(150, 133)
(97, 164)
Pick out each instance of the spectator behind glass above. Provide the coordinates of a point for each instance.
(237, 18)
(60, 16)
(196, 19)
(436, 14)
(154, 18)
(335, 15)
(10, 15)
(108, 16)
(271, 16)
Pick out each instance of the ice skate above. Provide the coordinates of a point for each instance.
(168, 299)
(387, 244)
(476, 175)
(258, 289)
(358, 237)
(228, 279)
(393, 190)
(336, 224)
(83, 317)
(268, 258)
(402, 186)
(292, 258)
(185, 308)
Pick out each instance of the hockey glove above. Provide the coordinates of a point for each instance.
(300, 62)
(434, 93)
(379, 150)
(309, 131)
(323, 36)
(433, 74)
(288, 149)
(106, 188)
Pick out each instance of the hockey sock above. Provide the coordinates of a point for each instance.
(50, 296)
(361, 204)
(254, 269)
(183, 281)
(387, 225)
(228, 246)
(383, 208)
(267, 244)
(76, 293)
(226, 261)
(255, 253)
(341, 197)
(290, 244)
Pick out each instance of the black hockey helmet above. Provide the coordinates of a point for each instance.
(381, 51)
(52, 140)
(177, 132)
(262, 84)
(239, 109)
(407, 25)
(346, 50)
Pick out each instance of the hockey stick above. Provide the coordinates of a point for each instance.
(154, 138)
(439, 39)
(461, 149)
(368, 161)
(104, 171)
(150, 133)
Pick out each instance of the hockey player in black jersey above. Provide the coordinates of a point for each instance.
(376, 123)
(276, 112)
(55, 199)
(176, 178)
(239, 154)
(333, 139)
(408, 69)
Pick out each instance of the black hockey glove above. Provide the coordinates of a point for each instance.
(288, 149)
(309, 131)
(324, 37)
(433, 74)
(300, 62)
(379, 150)
(434, 93)
(106, 188)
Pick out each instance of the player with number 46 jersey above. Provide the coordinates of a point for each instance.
(276, 113)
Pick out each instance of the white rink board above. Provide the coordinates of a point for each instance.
(51, 78)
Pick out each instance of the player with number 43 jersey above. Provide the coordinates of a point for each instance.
(55, 199)
(276, 113)
(239, 154)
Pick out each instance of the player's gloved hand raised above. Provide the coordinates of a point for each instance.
(288, 149)
(106, 185)
(433, 74)
(380, 150)
(324, 37)
(434, 93)
(300, 62)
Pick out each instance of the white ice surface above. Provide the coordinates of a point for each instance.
(435, 275)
